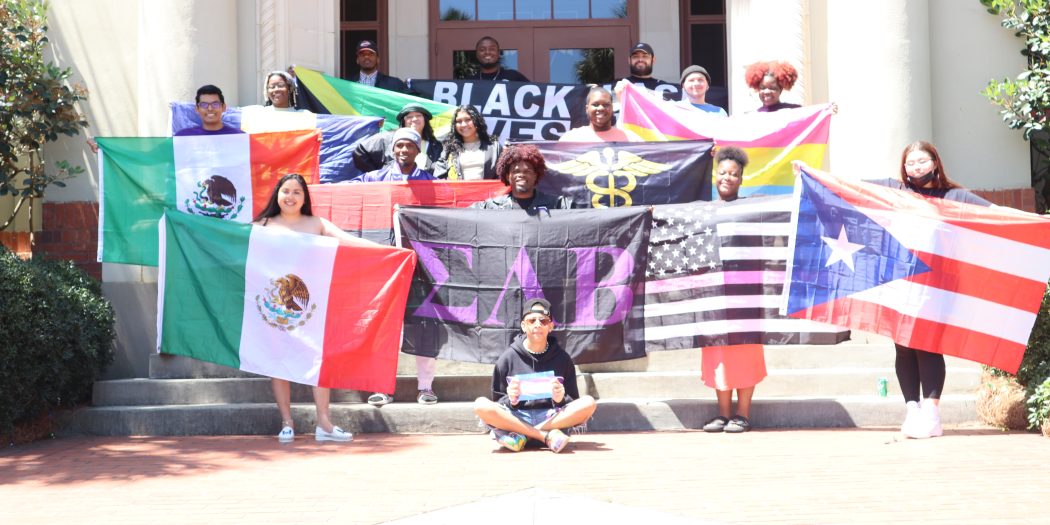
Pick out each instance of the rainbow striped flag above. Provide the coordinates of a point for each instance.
(771, 140)
(325, 94)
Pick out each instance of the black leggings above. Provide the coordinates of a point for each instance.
(915, 368)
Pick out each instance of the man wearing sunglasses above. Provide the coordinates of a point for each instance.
(210, 106)
(534, 393)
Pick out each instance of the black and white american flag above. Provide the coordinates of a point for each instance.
(716, 273)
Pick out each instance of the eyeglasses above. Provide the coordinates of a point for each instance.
(282, 85)
(920, 162)
(209, 105)
(537, 320)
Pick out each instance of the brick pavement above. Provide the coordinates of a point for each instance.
(971, 475)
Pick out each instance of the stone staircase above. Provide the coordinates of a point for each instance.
(807, 387)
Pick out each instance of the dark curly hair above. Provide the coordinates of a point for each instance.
(732, 153)
(784, 73)
(273, 209)
(516, 153)
(454, 141)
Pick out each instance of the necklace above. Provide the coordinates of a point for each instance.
(545, 348)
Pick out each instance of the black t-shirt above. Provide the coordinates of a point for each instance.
(502, 74)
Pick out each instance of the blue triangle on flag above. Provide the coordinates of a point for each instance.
(823, 213)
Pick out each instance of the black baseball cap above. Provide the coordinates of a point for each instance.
(369, 45)
(642, 46)
(536, 306)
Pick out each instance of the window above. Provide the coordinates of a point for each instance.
(531, 9)
(704, 38)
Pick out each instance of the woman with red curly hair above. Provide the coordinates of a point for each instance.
(769, 79)
(521, 166)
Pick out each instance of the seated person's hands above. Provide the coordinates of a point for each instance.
(557, 390)
(513, 390)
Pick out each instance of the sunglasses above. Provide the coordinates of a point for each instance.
(537, 320)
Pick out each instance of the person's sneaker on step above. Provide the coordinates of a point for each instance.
(287, 435)
(511, 441)
(556, 440)
(379, 399)
(738, 424)
(715, 424)
(337, 434)
(427, 397)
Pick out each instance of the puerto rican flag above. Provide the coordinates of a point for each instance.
(932, 274)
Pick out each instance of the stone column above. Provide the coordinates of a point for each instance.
(766, 30)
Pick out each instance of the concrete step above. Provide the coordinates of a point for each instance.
(677, 385)
(614, 414)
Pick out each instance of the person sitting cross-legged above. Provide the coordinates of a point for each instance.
(522, 406)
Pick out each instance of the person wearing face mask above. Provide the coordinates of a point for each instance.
(921, 172)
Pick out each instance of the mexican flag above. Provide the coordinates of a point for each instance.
(282, 304)
(229, 177)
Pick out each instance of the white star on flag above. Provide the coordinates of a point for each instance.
(841, 249)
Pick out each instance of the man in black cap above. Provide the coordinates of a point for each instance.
(368, 61)
(375, 152)
(487, 53)
(641, 60)
(534, 393)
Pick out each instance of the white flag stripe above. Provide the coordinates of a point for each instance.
(714, 279)
(658, 333)
(745, 207)
(198, 158)
(941, 306)
(271, 350)
(766, 229)
(708, 304)
(970, 246)
(265, 119)
(768, 253)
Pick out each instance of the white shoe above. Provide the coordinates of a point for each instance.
(913, 426)
(931, 418)
(287, 435)
(379, 399)
(337, 434)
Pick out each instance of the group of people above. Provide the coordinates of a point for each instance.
(469, 152)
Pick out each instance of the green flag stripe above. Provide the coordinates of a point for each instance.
(203, 302)
(369, 101)
(138, 183)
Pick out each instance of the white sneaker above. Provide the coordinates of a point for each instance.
(287, 435)
(337, 434)
(931, 418)
(913, 426)
(379, 399)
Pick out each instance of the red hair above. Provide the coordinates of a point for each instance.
(783, 72)
(515, 153)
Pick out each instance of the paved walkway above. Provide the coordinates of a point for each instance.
(971, 475)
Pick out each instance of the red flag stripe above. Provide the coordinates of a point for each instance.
(370, 205)
(366, 307)
(976, 281)
(919, 333)
(273, 155)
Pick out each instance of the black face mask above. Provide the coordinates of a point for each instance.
(924, 180)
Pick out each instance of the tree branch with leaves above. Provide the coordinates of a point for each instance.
(37, 104)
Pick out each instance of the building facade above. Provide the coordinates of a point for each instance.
(899, 70)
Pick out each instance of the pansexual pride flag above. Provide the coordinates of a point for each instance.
(229, 177)
(325, 94)
(771, 140)
(936, 275)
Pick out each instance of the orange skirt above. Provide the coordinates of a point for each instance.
(733, 367)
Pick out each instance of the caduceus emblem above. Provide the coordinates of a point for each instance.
(610, 164)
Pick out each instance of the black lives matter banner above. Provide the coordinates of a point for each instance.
(514, 111)
(614, 174)
(476, 269)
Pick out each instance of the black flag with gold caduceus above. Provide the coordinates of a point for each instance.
(617, 174)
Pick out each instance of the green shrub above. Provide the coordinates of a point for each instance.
(1035, 367)
(56, 335)
(1039, 405)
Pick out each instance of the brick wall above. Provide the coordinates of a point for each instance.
(1021, 198)
(17, 242)
(69, 231)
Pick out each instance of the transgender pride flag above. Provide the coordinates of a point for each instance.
(771, 140)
